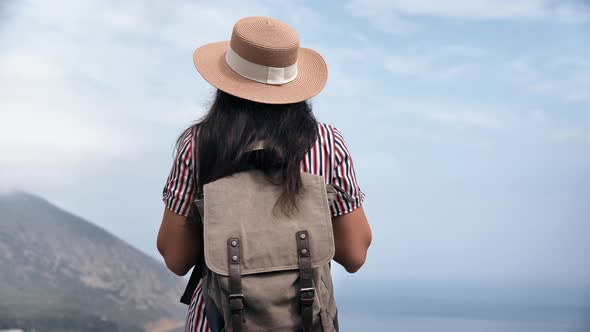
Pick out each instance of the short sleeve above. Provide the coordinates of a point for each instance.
(344, 176)
(177, 193)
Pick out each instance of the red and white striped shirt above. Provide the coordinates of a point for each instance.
(328, 157)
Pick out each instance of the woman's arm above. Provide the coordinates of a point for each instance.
(352, 237)
(178, 242)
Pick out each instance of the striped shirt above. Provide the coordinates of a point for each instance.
(329, 157)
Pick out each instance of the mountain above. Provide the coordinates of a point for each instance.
(59, 272)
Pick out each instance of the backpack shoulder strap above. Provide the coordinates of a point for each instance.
(194, 155)
(198, 271)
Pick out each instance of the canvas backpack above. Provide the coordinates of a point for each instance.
(264, 271)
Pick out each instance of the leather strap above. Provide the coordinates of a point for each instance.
(199, 269)
(343, 192)
(236, 298)
(306, 291)
(195, 154)
(191, 286)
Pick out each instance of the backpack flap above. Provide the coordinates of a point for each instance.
(241, 206)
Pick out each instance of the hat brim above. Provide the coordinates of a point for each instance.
(312, 74)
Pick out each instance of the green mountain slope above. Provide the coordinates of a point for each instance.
(59, 272)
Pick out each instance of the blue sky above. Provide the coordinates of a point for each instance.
(468, 121)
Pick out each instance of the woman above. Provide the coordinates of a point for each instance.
(263, 80)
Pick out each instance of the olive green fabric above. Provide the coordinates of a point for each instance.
(241, 206)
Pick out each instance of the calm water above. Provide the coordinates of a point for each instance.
(355, 322)
(464, 307)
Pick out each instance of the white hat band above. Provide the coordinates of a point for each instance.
(260, 73)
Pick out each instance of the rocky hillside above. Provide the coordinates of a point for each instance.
(59, 272)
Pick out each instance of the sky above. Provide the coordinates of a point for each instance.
(468, 121)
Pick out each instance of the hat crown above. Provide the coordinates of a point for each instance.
(265, 41)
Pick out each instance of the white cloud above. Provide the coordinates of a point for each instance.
(82, 81)
(455, 114)
(571, 135)
(566, 79)
(575, 90)
(421, 67)
(436, 64)
(564, 11)
(491, 124)
(22, 66)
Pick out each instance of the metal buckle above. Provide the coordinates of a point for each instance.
(310, 292)
(343, 192)
(198, 201)
(236, 302)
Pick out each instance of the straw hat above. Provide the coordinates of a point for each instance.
(263, 62)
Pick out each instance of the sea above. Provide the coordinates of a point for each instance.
(463, 307)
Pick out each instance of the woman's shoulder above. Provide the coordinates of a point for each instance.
(329, 129)
(328, 140)
(186, 135)
(324, 125)
(326, 132)
(319, 159)
(329, 135)
(184, 143)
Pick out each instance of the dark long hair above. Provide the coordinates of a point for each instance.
(232, 123)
